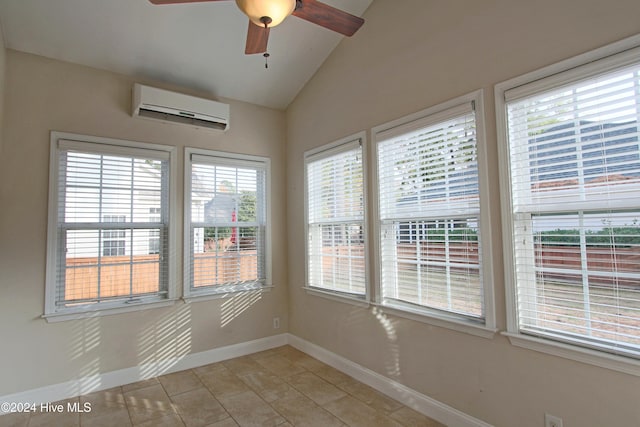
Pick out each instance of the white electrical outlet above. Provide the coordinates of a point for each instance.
(276, 325)
(552, 421)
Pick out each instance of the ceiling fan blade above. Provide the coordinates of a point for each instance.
(180, 1)
(257, 39)
(328, 17)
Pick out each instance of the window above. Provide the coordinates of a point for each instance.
(571, 152)
(335, 218)
(101, 192)
(226, 223)
(432, 226)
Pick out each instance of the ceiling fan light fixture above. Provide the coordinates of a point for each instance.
(256, 10)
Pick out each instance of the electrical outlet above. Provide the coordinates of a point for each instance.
(552, 421)
(276, 325)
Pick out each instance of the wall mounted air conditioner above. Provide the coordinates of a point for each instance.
(159, 104)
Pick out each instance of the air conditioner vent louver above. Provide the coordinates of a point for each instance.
(159, 104)
(181, 118)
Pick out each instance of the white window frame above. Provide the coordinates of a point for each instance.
(341, 145)
(227, 291)
(424, 314)
(53, 313)
(582, 66)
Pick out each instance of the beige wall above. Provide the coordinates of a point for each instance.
(412, 54)
(3, 60)
(44, 95)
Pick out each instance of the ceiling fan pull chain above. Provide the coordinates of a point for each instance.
(266, 58)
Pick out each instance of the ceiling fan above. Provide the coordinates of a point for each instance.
(264, 14)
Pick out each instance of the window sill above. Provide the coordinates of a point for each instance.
(337, 296)
(453, 322)
(227, 292)
(572, 352)
(105, 310)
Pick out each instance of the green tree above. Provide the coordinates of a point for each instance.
(247, 212)
(617, 237)
(247, 206)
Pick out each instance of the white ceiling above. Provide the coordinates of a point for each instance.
(199, 46)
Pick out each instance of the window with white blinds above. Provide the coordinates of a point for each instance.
(429, 213)
(101, 229)
(574, 167)
(225, 222)
(335, 218)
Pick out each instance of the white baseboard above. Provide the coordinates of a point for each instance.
(73, 388)
(409, 397)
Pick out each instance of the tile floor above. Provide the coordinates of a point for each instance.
(278, 387)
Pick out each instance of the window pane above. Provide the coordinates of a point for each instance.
(575, 171)
(335, 187)
(227, 255)
(431, 171)
(339, 263)
(435, 264)
(577, 144)
(587, 270)
(225, 194)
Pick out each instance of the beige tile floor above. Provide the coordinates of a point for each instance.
(278, 387)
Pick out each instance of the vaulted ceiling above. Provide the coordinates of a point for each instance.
(199, 46)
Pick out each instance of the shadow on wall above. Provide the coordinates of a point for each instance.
(238, 304)
(162, 344)
(85, 343)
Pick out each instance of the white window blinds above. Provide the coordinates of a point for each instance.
(335, 219)
(574, 151)
(227, 223)
(429, 213)
(104, 196)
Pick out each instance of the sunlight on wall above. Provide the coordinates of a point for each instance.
(164, 342)
(392, 358)
(85, 337)
(85, 348)
(236, 305)
(392, 362)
